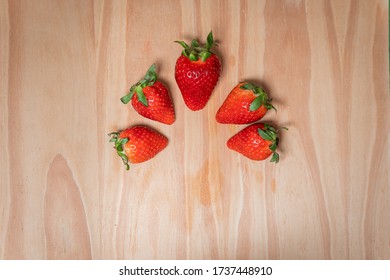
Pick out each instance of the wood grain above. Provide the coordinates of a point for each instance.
(64, 193)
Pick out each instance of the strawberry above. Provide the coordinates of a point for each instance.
(138, 144)
(197, 72)
(246, 103)
(150, 98)
(257, 142)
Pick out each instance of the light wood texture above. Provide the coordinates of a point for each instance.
(64, 193)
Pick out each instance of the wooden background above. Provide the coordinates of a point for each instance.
(65, 194)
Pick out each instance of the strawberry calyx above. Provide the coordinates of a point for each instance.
(196, 51)
(269, 133)
(149, 79)
(261, 97)
(119, 142)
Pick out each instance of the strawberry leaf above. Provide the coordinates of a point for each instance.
(210, 41)
(151, 75)
(248, 86)
(267, 127)
(193, 56)
(183, 44)
(269, 106)
(204, 55)
(194, 43)
(273, 147)
(141, 96)
(119, 142)
(114, 136)
(275, 157)
(149, 79)
(126, 99)
(256, 103)
(269, 133)
(261, 99)
(185, 52)
(265, 135)
(124, 159)
(196, 51)
(123, 141)
(258, 91)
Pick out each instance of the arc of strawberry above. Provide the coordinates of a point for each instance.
(149, 79)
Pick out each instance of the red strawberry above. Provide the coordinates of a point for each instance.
(151, 98)
(257, 142)
(197, 72)
(138, 144)
(246, 103)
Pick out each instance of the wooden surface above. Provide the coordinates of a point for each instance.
(64, 192)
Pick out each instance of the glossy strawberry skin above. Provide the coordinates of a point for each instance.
(143, 143)
(235, 109)
(249, 143)
(197, 79)
(160, 107)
